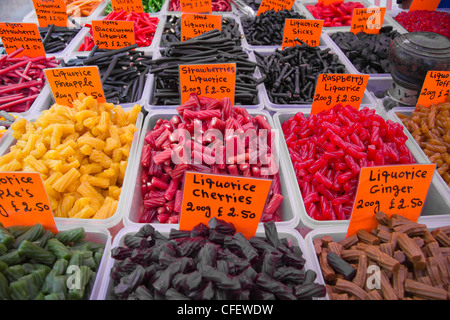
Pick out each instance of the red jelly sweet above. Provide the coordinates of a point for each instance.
(424, 20)
(336, 14)
(328, 161)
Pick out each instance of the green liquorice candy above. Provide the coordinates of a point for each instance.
(5, 292)
(77, 258)
(19, 290)
(17, 231)
(59, 284)
(55, 296)
(40, 276)
(43, 240)
(11, 258)
(3, 266)
(78, 290)
(73, 235)
(59, 268)
(58, 249)
(40, 296)
(33, 288)
(6, 238)
(3, 249)
(32, 234)
(14, 273)
(33, 251)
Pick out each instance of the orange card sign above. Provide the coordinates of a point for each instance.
(367, 20)
(67, 83)
(24, 201)
(196, 6)
(127, 5)
(308, 31)
(113, 34)
(193, 25)
(430, 5)
(239, 200)
(435, 88)
(397, 189)
(210, 80)
(328, 2)
(335, 88)
(22, 35)
(51, 12)
(276, 5)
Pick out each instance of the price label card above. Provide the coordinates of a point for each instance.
(397, 189)
(335, 88)
(239, 200)
(210, 80)
(113, 34)
(367, 20)
(127, 5)
(435, 88)
(193, 25)
(328, 2)
(308, 31)
(22, 35)
(196, 6)
(430, 5)
(51, 12)
(67, 83)
(24, 201)
(276, 5)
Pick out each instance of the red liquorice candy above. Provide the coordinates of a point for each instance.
(334, 146)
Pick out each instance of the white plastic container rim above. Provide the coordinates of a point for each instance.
(117, 217)
(289, 204)
(305, 219)
(97, 235)
(339, 232)
(283, 232)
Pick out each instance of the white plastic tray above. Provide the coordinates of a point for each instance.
(283, 232)
(113, 222)
(338, 233)
(290, 214)
(436, 203)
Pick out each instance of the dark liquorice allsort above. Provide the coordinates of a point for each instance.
(172, 30)
(367, 52)
(267, 28)
(291, 74)
(201, 269)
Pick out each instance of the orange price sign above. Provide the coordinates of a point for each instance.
(308, 31)
(236, 199)
(430, 5)
(110, 34)
(22, 35)
(396, 189)
(335, 88)
(435, 88)
(51, 12)
(67, 83)
(276, 5)
(210, 80)
(196, 6)
(328, 2)
(193, 25)
(127, 5)
(367, 20)
(24, 201)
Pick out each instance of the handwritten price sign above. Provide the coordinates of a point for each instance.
(435, 88)
(193, 25)
(24, 201)
(51, 12)
(239, 200)
(332, 89)
(22, 35)
(113, 34)
(308, 31)
(127, 5)
(276, 5)
(397, 189)
(430, 5)
(367, 20)
(196, 6)
(67, 83)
